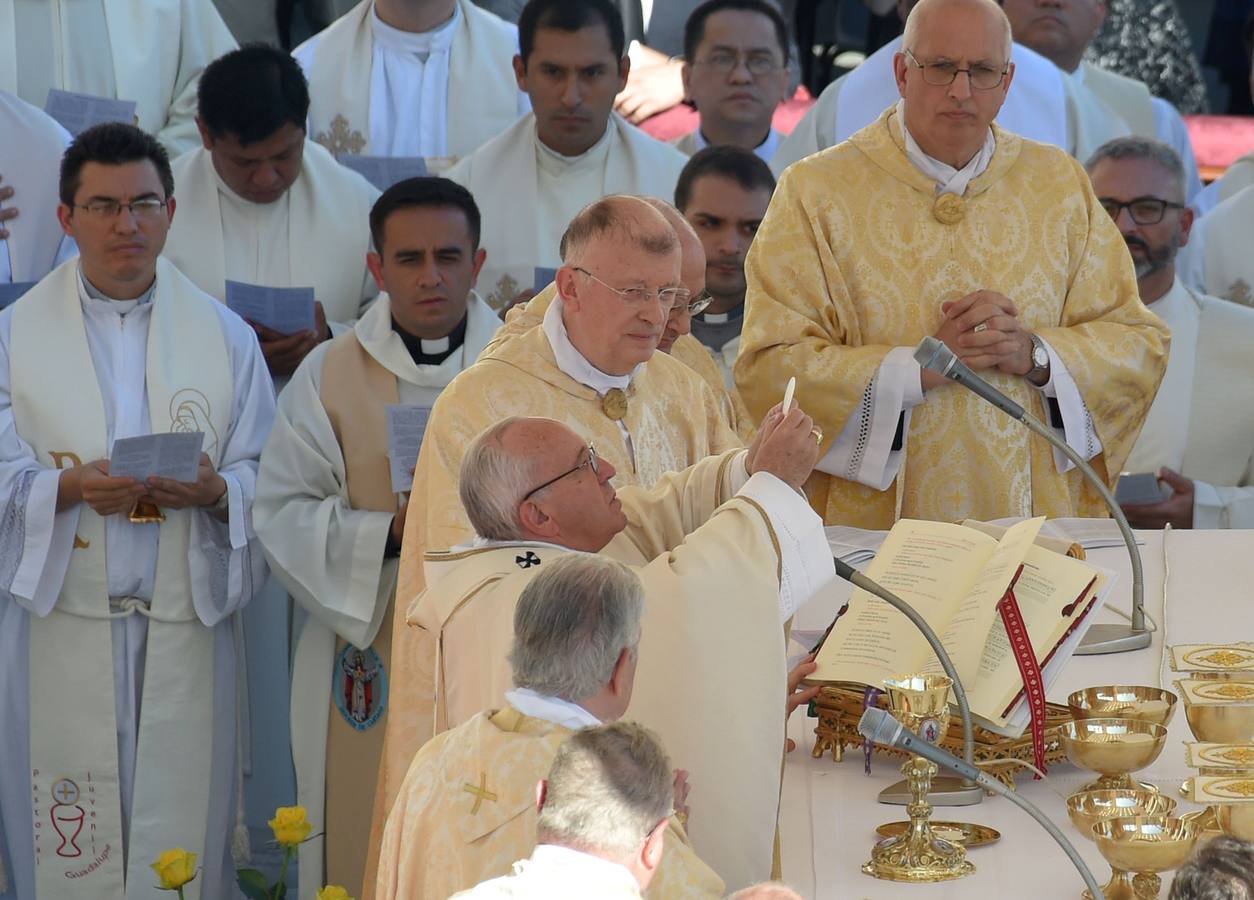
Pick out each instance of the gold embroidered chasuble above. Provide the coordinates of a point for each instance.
(850, 262)
(467, 811)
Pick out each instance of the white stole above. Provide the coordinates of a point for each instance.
(317, 253)
(34, 237)
(482, 92)
(59, 411)
(1164, 435)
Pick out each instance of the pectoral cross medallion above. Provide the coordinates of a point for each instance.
(949, 209)
(614, 403)
(528, 560)
(481, 792)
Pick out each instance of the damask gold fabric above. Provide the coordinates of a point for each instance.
(851, 261)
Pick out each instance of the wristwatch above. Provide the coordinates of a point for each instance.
(1039, 373)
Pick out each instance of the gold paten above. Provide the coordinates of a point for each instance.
(949, 209)
(917, 854)
(614, 403)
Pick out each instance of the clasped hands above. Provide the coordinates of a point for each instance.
(984, 331)
(108, 495)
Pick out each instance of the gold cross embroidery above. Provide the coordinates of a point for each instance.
(481, 792)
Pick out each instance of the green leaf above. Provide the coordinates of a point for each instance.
(254, 885)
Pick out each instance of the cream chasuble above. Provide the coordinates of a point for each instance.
(1217, 257)
(313, 236)
(326, 468)
(30, 161)
(552, 189)
(1202, 424)
(858, 230)
(382, 98)
(467, 811)
(1035, 107)
(672, 418)
(164, 777)
(719, 587)
(89, 46)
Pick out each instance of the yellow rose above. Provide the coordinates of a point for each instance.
(290, 826)
(333, 892)
(175, 868)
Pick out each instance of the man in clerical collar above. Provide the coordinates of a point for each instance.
(265, 206)
(575, 639)
(1200, 451)
(572, 148)
(122, 584)
(724, 192)
(1104, 105)
(328, 456)
(932, 221)
(736, 74)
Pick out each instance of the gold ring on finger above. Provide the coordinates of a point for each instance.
(818, 435)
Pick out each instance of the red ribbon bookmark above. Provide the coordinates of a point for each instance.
(1029, 668)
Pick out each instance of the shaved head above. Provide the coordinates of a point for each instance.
(917, 21)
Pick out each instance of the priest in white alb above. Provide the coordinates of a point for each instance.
(440, 838)
(531, 179)
(331, 518)
(428, 78)
(117, 637)
(31, 239)
(150, 52)
(1217, 259)
(264, 205)
(1199, 435)
(727, 550)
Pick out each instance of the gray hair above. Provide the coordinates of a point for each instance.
(572, 622)
(919, 12)
(1156, 152)
(492, 483)
(623, 218)
(609, 787)
(1222, 869)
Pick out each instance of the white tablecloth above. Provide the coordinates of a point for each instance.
(829, 811)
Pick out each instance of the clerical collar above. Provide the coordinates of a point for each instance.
(574, 363)
(551, 709)
(948, 179)
(418, 43)
(709, 318)
(121, 307)
(764, 151)
(432, 353)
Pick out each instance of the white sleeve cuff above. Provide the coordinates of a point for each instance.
(863, 452)
(1078, 430)
(49, 543)
(738, 472)
(805, 556)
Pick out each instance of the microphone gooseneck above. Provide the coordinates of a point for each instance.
(881, 727)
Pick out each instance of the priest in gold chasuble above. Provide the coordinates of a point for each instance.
(933, 221)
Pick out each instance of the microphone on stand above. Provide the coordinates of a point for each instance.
(879, 726)
(945, 791)
(935, 356)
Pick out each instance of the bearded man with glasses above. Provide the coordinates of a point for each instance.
(934, 221)
(591, 363)
(1201, 451)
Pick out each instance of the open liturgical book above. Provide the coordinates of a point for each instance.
(955, 576)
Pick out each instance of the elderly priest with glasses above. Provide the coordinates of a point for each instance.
(934, 221)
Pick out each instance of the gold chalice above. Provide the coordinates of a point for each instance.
(1117, 701)
(921, 702)
(1142, 846)
(1236, 819)
(1114, 748)
(1087, 808)
(1229, 719)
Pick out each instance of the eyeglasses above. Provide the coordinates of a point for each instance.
(144, 208)
(696, 306)
(940, 74)
(724, 62)
(1144, 210)
(637, 296)
(589, 463)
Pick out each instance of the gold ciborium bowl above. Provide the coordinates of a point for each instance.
(1117, 701)
(1236, 819)
(1228, 720)
(1144, 845)
(1113, 748)
(1087, 808)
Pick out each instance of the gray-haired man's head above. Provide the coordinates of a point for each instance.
(1222, 869)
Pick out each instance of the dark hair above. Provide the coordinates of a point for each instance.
(1222, 869)
(427, 191)
(251, 93)
(112, 144)
(694, 28)
(569, 15)
(736, 164)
